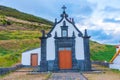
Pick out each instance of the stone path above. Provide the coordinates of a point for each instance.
(67, 76)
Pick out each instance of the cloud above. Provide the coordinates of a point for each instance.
(99, 35)
(102, 32)
(102, 37)
(111, 9)
(111, 20)
(103, 24)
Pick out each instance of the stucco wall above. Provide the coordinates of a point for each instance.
(114, 66)
(117, 60)
(26, 56)
(79, 48)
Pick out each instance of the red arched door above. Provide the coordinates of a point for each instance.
(65, 58)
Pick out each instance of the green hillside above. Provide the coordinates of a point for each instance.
(101, 52)
(13, 43)
(20, 15)
(20, 31)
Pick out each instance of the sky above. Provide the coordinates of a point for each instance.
(100, 17)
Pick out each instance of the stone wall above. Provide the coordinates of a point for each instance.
(10, 69)
(106, 64)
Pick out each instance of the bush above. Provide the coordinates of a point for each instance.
(3, 20)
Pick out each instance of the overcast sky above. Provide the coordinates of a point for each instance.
(100, 17)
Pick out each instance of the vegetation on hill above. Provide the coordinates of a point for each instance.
(20, 15)
(3, 21)
(101, 52)
(18, 32)
(14, 44)
(12, 19)
(10, 23)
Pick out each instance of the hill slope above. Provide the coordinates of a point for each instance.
(12, 19)
(101, 52)
(20, 15)
(20, 31)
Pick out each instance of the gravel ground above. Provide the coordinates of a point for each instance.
(22, 74)
(105, 74)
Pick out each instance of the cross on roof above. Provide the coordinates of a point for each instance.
(63, 7)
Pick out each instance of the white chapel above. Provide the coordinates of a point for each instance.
(65, 47)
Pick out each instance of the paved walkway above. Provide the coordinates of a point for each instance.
(67, 76)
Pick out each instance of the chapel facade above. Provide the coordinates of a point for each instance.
(65, 47)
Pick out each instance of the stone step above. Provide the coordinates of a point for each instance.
(68, 71)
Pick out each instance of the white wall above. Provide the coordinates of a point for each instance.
(114, 66)
(26, 56)
(79, 48)
(117, 49)
(117, 60)
(51, 45)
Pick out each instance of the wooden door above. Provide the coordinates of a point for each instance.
(65, 59)
(34, 60)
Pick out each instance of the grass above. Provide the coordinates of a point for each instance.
(30, 26)
(18, 34)
(13, 50)
(18, 37)
(48, 76)
(116, 71)
(4, 51)
(7, 11)
(13, 43)
(100, 52)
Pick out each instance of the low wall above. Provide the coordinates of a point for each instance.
(10, 69)
(106, 64)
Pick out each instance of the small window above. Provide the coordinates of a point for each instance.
(64, 33)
